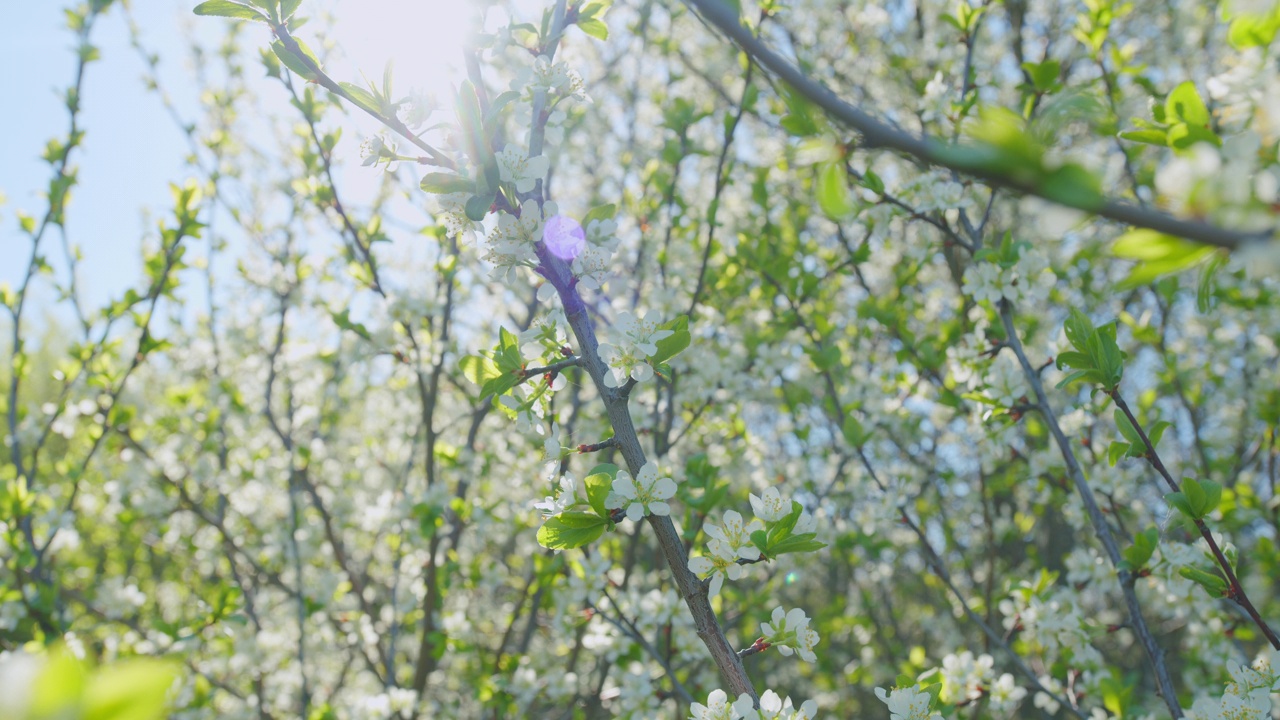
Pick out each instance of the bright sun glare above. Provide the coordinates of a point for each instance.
(423, 38)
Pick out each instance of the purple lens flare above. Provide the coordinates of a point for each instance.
(564, 237)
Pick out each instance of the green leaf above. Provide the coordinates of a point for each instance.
(595, 28)
(478, 206)
(1043, 75)
(598, 485)
(675, 343)
(780, 529)
(800, 118)
(797, 543)
(1212, 582)
(1072, 185)
(1074, 360)
(1204, 289)
(1150, 136)
(1126, 428)
(853, 432)
(1157, 255)
(1179, 500)
(1079, 329)
(1157, 432)
(129, 690)
(288, 8)
(1253, 30)
(479, 369)
(600, 212)
(872, 182)
(1184, 103)
(363, 99)
(228, 9)
(1212, 496)
(295, 62)
(343, 320)
(59, 687)
(1144, 546)
(1090, 376)
(1196, 497)
(445, 183)
(1106, 357)
(833, 191)
(571, 529)
(1116, 450)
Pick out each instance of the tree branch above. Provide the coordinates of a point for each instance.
(877, 134)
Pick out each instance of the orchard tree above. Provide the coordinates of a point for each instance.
(703, 359)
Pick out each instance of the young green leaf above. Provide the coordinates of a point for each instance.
(833, 191)
(1212, 582)
(673, 344)
(1144, 545)
(571, 529)
(445, 183)
(599, 483)
(228, 9)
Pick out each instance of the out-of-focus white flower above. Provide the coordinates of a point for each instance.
(515, 166)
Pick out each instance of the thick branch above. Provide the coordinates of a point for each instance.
(615, 402)
(877, 134)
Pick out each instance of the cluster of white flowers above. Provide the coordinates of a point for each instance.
(392, 703)
(516, 167)
(511, 242)
(376, 150)
(548, 332)
(566, 494)
(1248, 94)
(1029, 279)
(646, 493)
(772, 707)
(118, 600)
(936, 191)
(555, 78)
(1050, 621)
(635, 342)
(1248, 695)
(789, 630)
(1005, 695)
(731, 541)
(935, 104)
(68, 422)
(908, 703)
(964, 676)
(1006, 383)
(531, 411)
(415, 109)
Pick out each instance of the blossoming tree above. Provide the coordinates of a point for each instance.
(697, 359)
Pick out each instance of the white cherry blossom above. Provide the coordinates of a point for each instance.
(646, 493)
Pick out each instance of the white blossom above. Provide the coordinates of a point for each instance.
(646, 493)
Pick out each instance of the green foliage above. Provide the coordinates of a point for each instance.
(1137, 555)
(1196, 499)
(228, 9)
(65, 689)
(778, 537)
(584, 520)
(1097, 358)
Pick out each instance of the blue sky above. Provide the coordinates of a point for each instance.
(132, 150)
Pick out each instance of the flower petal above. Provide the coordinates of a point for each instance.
(664, 488)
